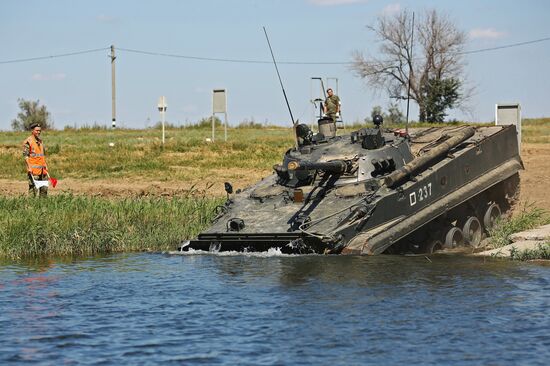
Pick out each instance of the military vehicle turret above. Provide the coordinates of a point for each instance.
(373, 191)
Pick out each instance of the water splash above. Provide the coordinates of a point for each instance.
(271, 252)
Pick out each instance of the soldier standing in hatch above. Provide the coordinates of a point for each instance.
(331, 107)
(35, 160)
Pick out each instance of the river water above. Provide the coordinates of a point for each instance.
(273, 309)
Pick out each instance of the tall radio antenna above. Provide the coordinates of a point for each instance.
(282, 87)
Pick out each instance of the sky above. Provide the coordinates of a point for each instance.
(181, 43)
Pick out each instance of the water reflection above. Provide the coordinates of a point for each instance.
(438, 270)
(249, 309)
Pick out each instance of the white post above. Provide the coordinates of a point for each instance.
(225, 123)
(162, 109)
(162, 118)
(213, 127)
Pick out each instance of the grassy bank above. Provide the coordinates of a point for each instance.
(536, 131)
(528, 217)
(70, 225)
(542, 251)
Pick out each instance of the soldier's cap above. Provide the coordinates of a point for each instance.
(34, 125)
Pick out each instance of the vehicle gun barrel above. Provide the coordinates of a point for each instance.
(334, 166)
(426, 160)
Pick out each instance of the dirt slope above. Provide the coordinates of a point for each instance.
(535, 179)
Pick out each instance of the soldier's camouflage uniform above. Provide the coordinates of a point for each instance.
(332, 104)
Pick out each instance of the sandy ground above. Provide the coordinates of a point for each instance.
(536, 176)
(534, 180)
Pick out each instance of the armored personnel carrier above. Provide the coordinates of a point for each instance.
(373, 191)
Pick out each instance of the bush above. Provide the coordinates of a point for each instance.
(31, 112)
(207, 122)
(542, 251)
(249, 124)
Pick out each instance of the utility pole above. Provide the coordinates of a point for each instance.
(113, 89)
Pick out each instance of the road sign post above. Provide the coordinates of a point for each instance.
(162, 109)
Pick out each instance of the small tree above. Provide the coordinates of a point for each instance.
(31, 112)
(440, 95)
(395, 115)
(376, 110)
(207, 122)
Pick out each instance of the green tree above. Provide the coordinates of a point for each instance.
(440, 95)
(394, 114)
(31, 112)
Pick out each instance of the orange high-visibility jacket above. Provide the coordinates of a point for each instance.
(37, 159)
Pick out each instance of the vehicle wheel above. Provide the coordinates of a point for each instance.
(433, 246)
(491, 216)
(454, 238)
(472, 231)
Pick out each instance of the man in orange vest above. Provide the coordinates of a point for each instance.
(35, 159)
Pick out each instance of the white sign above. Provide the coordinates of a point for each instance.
(509, 114)
(218, 101)
(162, 104)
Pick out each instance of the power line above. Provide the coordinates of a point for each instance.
(230, 60)
(53, 56)
(313, 63)
(214, 59)
(505, 46)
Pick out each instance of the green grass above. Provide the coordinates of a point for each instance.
(86, 153)
(528, 217)
(542, 251)
(536, 130)
(66, 225)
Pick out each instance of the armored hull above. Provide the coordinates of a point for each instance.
(374, 191)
